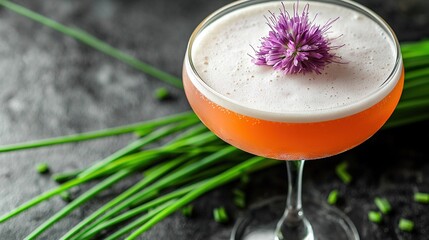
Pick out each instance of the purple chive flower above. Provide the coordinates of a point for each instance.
(295, 44)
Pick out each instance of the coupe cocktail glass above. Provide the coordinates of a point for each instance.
(297, 135)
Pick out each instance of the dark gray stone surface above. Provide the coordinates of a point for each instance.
(51, 85)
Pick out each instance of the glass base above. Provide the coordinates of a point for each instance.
(328, 222)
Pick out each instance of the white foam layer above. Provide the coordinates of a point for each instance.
(221, 58)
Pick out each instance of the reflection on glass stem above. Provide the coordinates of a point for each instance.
(294, 225)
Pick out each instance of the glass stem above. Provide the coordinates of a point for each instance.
(293, 225)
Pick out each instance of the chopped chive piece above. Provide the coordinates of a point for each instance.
(333, 197)
(161, 93)
(240, 202)
(244, 179)
(220, 215)
(406, 225)
(342, 173)
(342, 166)
(42, 168)
(239, 198)
(375, 217)
(239, 193)
(66, 196)
(64, 177)
(188, 210)
(421, 197)
(344, 176)
(383, 205)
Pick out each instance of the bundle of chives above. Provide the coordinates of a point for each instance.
(414, 103)
(194, 163)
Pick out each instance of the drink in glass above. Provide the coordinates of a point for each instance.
(294, 117)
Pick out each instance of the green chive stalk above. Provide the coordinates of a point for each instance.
(108, 132)
(137, 199)
(150, 138)
(43, 197)
(140, 221)
(167, 181)
(93, 42)
(148, 179)
(214, 182)
(79, 201)
(94, 173)
(136, 211)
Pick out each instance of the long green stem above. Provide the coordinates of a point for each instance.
(44, 196)
(143, 219)
(191, 132)
(99, 134)
(156, 135)
(136, 211)
(94, 43)
(160, 170)
(205, 174)
(125, 199)
(79, 201)
(95, 173)
(208, 186)
(415, 93)
(407, 112)
(166, 181)
(406, 120)
(415, 63)
(142, 158)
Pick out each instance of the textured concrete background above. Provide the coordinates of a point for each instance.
(51, 85)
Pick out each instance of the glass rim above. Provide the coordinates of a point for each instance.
(296, 116)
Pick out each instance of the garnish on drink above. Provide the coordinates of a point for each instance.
(295, 44)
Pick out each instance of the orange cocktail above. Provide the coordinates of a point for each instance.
(297, 133)
(282, 111)
(292, 141)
